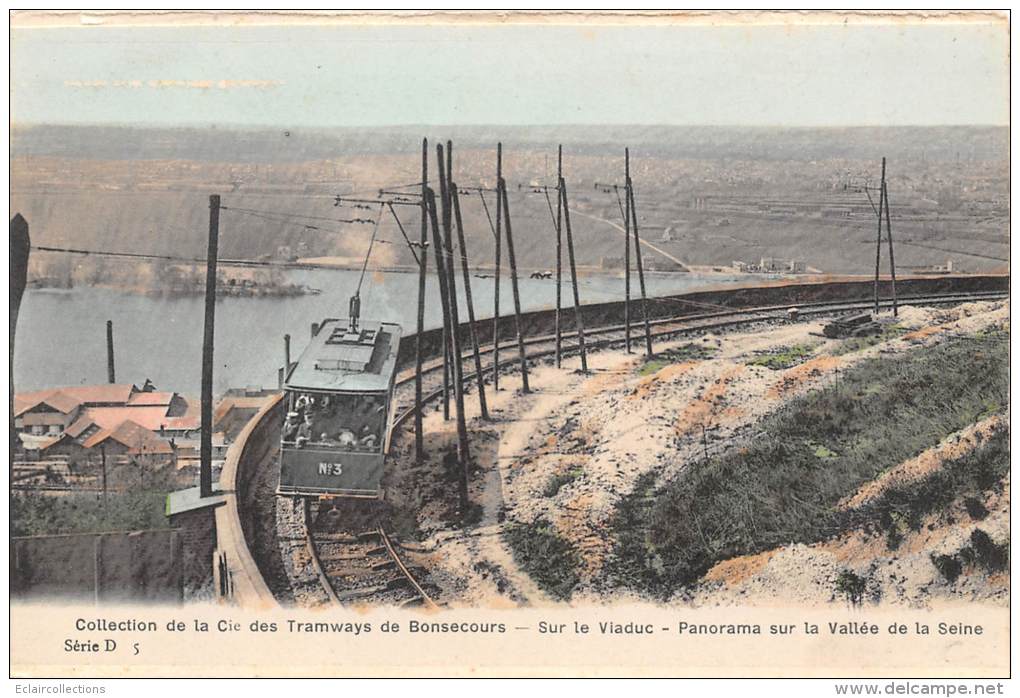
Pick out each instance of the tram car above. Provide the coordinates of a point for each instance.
(339, 410)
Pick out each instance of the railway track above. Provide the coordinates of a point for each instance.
(603, 337)
(359, 568)
(340, 566)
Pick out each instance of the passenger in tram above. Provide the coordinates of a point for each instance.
(367, 438)
(304, 432)
(290, 426)
(346, 438)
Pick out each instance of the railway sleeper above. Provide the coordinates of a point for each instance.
(346, 538)
(352, 572)
(342, 556)
(398, 583)
(358, 594)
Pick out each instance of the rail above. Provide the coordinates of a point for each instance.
(601, 337)
(355, 549)
(250, 452)
(426, 599)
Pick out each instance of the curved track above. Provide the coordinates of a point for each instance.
(363, 568)
(602, 337)
(345, 567)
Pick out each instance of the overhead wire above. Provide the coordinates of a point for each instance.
(371, 244)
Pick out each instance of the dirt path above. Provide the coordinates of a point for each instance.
(597, 434)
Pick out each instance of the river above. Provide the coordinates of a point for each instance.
(61, 334)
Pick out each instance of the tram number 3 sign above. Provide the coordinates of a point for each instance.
(335, 469)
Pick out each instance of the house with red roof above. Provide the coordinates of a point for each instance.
(70, 421)
(48, 414)
(132, 440)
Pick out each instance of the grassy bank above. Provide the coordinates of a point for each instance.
(547, 558)
(783, 486)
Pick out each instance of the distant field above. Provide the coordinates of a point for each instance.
(141, 191)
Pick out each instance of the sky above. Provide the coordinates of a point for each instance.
(329, 76)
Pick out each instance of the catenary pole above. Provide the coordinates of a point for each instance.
(626, 255)
(640, 268)
(513, 284)
(559, 254)
(463, 449)
(878, 240)
(479, 374)
(578, 318)
(205, 452)
(419, 437)
(892, 258)
(499, 242)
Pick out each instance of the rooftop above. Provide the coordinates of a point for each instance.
(338, 360)
(152, 398)
(137, 438)
(79, 394)
(59, 401)
(151, 417)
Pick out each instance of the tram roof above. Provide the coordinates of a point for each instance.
(338, 360)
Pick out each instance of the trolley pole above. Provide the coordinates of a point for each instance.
(578, 318)
(499, 236)
(640, 268)
(892, 259)
(419, 439)
(513, 283)
(559, 252)
(479, 374)
(878, 240)
(205, 453)
(626, 255)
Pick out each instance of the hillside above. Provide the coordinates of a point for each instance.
(748, 467)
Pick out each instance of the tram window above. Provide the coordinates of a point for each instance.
(347, 422)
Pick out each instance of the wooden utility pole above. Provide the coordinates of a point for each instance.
(892, 259)
(578, 319)
(640, 268)
(559, 250)
(102, 456)
(111, 374)
(626, 253)
(499, 241)
(419, 438)
(451, 270)
(513, 283)
(479, 374)
(878, 241)
(446, 368)
(205, 454)
(444, 260)
(20, 247)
